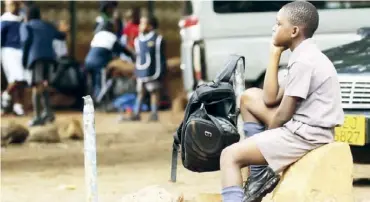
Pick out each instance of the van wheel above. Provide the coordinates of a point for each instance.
(360, 154)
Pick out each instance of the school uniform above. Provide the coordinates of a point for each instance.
(150, 63)
(312, 77)
(39, 58)
(103, 47)
(100, 21)
(11, 52)
(60, 47)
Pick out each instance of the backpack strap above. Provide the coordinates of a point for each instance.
(229, 69)
(175, 150)
(177, 141)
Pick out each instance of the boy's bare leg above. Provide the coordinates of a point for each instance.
(154, 102)
(233, 159)
(36, 102)
(256, 115)
(137, 108)
(237, 156)
(18, 99)
(253, 108)
(47, 115)
(6, 96)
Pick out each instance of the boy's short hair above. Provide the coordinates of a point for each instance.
(33, 12)
(302, 13)
(135, 15)
(107, 4)
(152, 20)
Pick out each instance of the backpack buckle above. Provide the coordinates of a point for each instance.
(213, 84)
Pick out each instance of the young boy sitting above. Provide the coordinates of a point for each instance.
(300, 116)
(150, 66)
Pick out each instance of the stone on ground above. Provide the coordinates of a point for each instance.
(323, 175)
(71, 129)
(12, 132)
(47, 133)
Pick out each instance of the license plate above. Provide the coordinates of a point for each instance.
(352, 131)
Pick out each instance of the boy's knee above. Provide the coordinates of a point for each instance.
(249, 95)
(227, 156)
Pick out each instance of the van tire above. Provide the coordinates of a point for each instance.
(361, 154)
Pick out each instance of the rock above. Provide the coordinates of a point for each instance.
(323, 175)
(71, 129)
(152, 194)
(13, 133)
(47, 133)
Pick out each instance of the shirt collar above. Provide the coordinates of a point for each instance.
(8, 16)
(145, 37)
(307, 43)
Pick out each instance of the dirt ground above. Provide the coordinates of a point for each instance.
(131, 156)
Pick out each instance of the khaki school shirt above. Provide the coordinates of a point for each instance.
(312, 77)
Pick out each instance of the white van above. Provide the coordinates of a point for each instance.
(212, 30)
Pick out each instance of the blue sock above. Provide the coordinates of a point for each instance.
(232, 194)
(154, 108)
(251, 129)
(137, 106)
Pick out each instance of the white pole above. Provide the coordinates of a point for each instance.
(239, 87)
(90, 150)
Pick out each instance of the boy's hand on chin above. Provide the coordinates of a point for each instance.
(277, 50)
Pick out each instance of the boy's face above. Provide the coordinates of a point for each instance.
(12, 6)
(283, 31)
(144, 26)
(63, 26)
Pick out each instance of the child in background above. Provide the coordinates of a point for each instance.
(106, 14)
(39, 58)
(150, 66)
(131, 29)
(103, 47)
(11, 58)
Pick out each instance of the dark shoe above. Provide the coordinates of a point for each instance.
(153, 118)
(36, 122)
(48, 118)
(259, 185)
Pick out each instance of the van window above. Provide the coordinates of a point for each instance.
(224, 7)
(187, 8)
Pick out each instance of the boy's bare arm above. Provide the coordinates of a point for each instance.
(284, 112)
(272, 94)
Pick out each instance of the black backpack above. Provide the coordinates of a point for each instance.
(209, 124)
